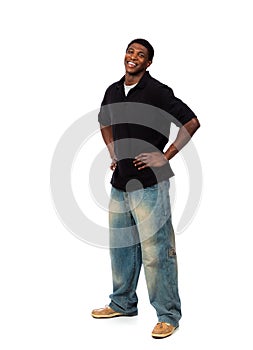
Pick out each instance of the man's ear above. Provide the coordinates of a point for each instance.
(149, 63)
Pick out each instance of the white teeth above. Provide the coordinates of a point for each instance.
(131, 64)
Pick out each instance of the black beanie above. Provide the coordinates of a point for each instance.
(146, 44)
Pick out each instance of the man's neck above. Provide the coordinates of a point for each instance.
(131, 79)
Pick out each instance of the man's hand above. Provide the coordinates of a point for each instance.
(152, 159)
(108, 139)
(113, 163)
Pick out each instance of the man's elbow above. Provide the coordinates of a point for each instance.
(194, 125)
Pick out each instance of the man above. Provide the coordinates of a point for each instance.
(135, 119)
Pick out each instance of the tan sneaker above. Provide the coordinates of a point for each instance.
(163, 330)
(105, 312)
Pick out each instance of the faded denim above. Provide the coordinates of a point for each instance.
(141, 232)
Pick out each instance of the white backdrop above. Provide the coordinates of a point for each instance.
(57, 58)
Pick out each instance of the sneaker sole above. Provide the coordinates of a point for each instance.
(161, 336)
(116, 314)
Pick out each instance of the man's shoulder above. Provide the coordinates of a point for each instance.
(113, 93)
(157, 84)
(114, 85)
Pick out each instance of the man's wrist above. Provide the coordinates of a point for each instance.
(171, 152)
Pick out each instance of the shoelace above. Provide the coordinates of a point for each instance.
(160, 324)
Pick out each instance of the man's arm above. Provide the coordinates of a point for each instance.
(106, 132)
(157, 159)
(184, 135)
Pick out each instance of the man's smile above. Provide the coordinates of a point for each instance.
(131, 64)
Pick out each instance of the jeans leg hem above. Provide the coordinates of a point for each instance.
(167, 320)
(117, 309)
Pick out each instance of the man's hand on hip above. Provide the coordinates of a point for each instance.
(152, 159)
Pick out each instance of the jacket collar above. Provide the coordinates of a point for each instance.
(141, 84)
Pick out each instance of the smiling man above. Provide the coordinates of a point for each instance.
(135, 118)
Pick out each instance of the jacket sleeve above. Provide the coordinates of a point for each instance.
(104, 116)
(178, 110)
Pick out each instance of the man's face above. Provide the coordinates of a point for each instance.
(136, 59)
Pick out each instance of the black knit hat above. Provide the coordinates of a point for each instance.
(146, 44)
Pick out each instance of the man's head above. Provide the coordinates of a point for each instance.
(146, 44)
(138, 58)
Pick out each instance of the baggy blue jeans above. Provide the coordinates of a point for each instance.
(141, 233)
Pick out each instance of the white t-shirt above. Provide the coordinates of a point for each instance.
(128, 88)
